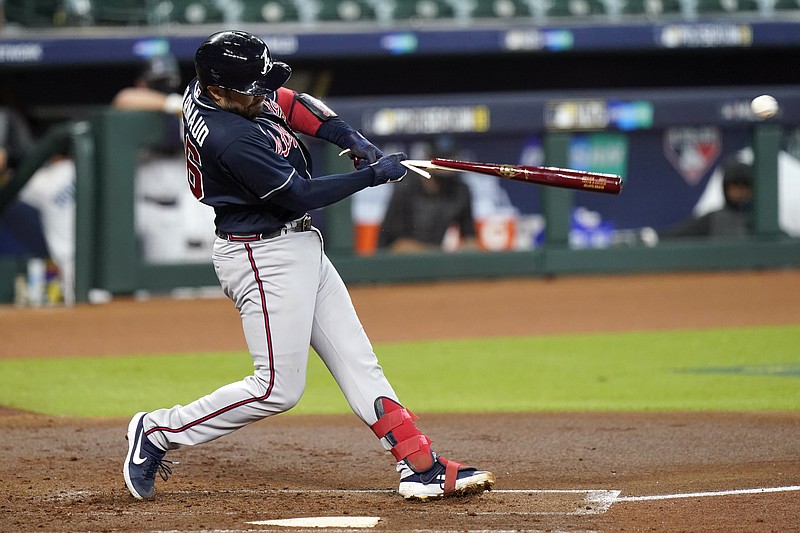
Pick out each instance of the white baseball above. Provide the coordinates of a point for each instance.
(764, 106)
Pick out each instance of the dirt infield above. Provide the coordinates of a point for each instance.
(555, 471)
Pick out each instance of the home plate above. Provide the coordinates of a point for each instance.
(322, 521)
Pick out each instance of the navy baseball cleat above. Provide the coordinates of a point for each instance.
(443, 480)
(143, 461)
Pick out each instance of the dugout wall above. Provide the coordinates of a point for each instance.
(500, 128)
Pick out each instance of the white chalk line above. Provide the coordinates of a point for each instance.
(602, 494)
(360, 530)
(367, 491)
(69, 495)
(706, 494)
(594, 501)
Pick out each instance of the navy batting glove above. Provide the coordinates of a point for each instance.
(388, 168)
(362, 152)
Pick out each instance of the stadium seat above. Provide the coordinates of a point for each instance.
(272, 11)
(537, 8)
(123, 12)
(766, 7)
(345, 11)
(197, 11)
(613, 8)
(462, 9)
(575, 8)
(652, 9)
(502, 9)
(410, 10)
(727, 7)
(35, 13)
(787, 5)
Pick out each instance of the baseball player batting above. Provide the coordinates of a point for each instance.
(245, 159)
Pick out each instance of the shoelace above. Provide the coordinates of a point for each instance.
(157, 465)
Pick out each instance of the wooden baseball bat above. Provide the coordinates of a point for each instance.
(555, 177)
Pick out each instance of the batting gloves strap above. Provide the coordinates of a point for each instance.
(389, 169)
(362, 152)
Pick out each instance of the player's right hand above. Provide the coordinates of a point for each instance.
(362, 152)
(388, 168)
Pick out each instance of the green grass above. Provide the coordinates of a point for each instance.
(721, 369)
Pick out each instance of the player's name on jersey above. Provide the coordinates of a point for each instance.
(195, 124)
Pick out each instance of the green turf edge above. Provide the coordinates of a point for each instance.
(724, 369)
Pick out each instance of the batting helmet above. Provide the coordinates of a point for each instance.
(241, 62)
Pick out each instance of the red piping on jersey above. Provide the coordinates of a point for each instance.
(269, 350)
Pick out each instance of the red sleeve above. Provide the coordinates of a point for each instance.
(299, 117)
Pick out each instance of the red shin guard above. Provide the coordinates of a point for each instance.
(396, 424)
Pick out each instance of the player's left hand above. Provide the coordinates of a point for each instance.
(361, 151)
(389, 168)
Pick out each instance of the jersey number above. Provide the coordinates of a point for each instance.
(194, 174)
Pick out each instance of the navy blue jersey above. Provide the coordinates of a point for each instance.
(237, 165)
(255, 173)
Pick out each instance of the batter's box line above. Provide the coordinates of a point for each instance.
(367, 491)
(735, 492)
(593, 502)
(599, 495)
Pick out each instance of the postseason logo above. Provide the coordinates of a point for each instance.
(427, 120)
(596, 114)
(709, 35)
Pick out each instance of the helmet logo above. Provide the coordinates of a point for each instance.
(267, 62)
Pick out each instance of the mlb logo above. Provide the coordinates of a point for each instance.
(692, 151)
